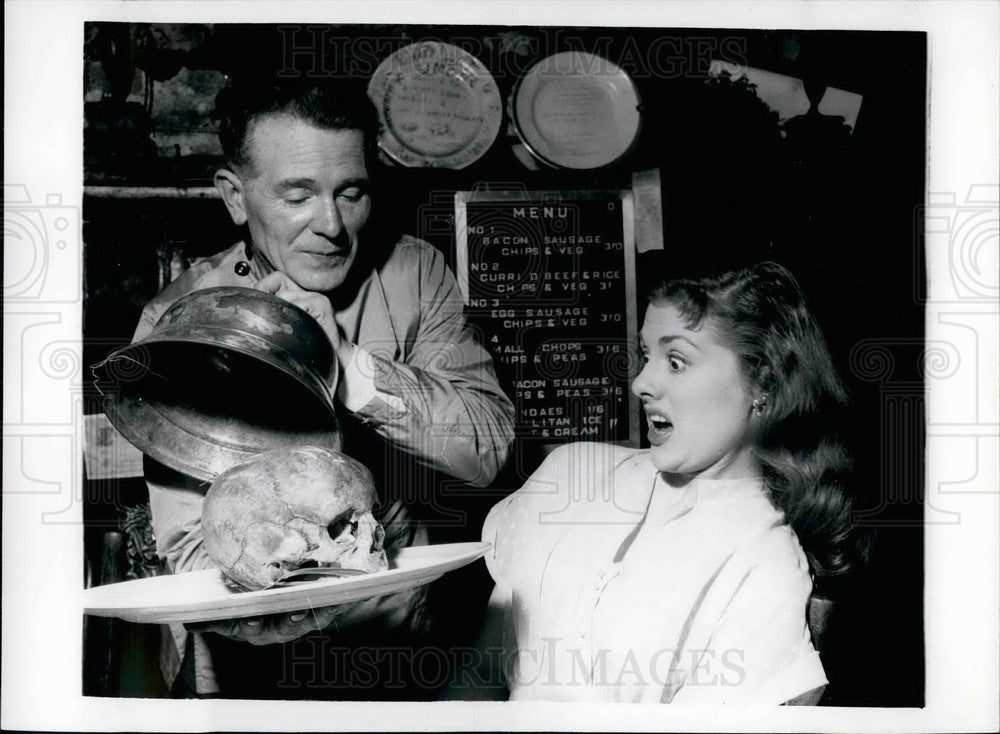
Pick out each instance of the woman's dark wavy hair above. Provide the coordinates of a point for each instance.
(330, 104)
(762, 312)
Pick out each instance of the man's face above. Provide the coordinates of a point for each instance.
(305, 198)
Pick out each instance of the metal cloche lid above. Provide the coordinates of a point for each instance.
(225, 374)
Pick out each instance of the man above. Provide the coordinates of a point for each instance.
(419, 394)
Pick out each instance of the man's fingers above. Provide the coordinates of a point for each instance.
(251, 629)
(226, 627)
(315, 304)
(279, 284)
(273, 629)
(276, 281)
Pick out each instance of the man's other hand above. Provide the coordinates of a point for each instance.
(315, 304)
(272, 629)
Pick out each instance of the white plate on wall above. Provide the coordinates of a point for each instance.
(576, 110)
(202, 596)
(438, 106)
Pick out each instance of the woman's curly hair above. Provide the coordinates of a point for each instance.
(762, 313)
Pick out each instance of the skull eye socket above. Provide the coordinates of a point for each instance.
(378, 538)
(343, 522)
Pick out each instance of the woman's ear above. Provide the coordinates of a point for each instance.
(760, 385)
(764, 377)
(230, 188)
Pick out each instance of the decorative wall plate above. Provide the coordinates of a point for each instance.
(201, 596)
(576, 110)
(438, 106)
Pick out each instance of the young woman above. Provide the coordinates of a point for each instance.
(682, 572)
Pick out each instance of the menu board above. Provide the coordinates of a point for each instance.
(549, 279)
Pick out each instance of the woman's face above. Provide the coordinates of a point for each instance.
(696, 399)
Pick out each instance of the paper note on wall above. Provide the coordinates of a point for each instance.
(107, 454)
(648, 210)
(786, 95)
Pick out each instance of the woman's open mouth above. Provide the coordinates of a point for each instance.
(660, 428)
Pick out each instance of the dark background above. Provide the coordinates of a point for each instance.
(839, 210)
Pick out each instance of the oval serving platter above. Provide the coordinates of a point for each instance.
(201, 596)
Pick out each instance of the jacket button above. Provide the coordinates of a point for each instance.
(242, 267)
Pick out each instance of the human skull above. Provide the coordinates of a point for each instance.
(291, 508)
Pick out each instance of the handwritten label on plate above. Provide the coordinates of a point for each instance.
(438, 106)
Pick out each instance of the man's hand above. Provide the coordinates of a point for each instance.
(272, 629)
(315, 304)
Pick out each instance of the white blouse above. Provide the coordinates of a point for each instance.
(618, 587)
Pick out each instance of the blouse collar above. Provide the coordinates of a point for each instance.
(711, 489)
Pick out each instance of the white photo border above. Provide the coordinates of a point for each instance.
(42, 520)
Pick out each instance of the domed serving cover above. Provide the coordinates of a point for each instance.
(225, 374)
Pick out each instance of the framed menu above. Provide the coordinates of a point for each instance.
(549, 279)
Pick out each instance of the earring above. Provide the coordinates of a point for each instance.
(759, 404)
